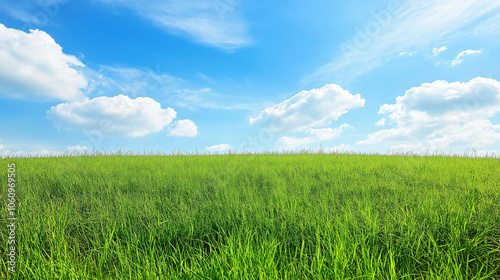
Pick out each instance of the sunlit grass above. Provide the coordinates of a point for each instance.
(296, 216)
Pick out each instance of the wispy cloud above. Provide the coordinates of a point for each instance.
(34, 14)
(19, 11)
(206, 98)
(407, 53)
(411, 25)
(130, 81)
(460, 56)
(202, 20)
(437, 51)
(487, 29)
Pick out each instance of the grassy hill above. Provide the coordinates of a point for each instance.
(297, 216)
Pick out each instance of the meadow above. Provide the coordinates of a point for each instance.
(271, 216)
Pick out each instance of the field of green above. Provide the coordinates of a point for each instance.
(297, 216)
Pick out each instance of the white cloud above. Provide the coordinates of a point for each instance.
(184, 128)
(218, 148)
(209, 22)
(488, 29)
(33, 66)
(306, 110)
(119, 115)
(315, 136)
(77, 149)
(407, 53)
(381, 122)
(405, 25)
(460, 56)
(437, 51)
(442, 115)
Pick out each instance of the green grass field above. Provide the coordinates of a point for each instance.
(271, 216)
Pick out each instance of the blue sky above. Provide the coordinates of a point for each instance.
(213, 75)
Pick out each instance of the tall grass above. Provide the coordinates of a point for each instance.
(297, 216)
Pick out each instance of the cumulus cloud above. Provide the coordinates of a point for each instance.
(460, 56)
(216, 23)
(218, 148)
(184, 128)
(307, 110)
(437, 51)
(442, 115)
(119, 115)
(33, 66)
(315, 136)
